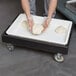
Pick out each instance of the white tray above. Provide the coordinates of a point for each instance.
(17, 29)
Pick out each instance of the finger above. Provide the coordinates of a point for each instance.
(44, 29)
(30, 28)
(30, 25)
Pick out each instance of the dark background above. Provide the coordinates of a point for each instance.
(27, 62)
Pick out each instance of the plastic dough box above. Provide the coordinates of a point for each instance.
(68, 9)
(54, 39)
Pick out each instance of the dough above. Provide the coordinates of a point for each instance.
(37, 29)
(60, 30)
(24, 24)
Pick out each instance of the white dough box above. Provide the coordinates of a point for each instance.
(54, 39)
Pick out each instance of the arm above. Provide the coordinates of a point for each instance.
(51, 10)
(26, 8)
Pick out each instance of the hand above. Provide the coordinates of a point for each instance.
(46, 23)
(30, 23)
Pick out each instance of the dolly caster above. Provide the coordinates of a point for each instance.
(10, 47)
(59, 57)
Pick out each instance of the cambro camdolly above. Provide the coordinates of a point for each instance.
(55, 39)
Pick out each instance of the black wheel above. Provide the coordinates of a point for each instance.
(59, 57)
(10, 47)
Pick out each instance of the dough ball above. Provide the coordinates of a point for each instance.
(37, 29)
(24, 24)
(60, 30)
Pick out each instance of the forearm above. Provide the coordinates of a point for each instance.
(52, 8)
(26, 7)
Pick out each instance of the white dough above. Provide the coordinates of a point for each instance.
(37, 29)
(60, 30)
(24, 24)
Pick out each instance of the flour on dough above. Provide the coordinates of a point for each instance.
(60, 30)
(24, 24)
(37, 29)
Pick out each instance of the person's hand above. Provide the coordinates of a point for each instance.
(30, 23)
(46, 23)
